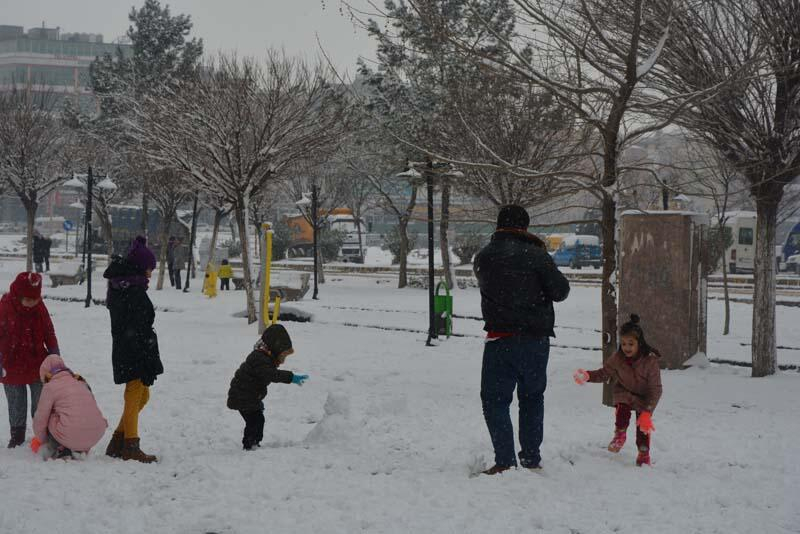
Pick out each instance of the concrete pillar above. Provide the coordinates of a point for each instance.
(662, 281)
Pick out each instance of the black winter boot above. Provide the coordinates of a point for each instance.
(17, 437)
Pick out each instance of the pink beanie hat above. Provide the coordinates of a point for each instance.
(51, 363)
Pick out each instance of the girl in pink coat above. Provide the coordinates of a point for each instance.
(67, 418)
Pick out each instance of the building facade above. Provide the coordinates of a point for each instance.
(45, 59)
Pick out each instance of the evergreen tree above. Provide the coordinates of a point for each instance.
(160, 53)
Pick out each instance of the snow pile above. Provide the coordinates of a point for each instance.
(699, 360)
(335, 424)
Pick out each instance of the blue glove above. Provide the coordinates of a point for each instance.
(299, 379)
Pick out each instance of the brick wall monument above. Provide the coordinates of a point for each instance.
(661, 280)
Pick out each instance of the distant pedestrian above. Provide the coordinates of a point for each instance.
(519, 283)
(635, 376)
(48, 243)
(179, 255)
(26, 338)
(38, 251)
(225, 274)
(249, 385)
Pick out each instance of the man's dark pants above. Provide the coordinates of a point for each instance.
(515, 362)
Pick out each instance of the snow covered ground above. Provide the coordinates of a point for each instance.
(384, 435)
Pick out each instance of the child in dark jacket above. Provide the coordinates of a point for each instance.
(259, 370)
(635, 375)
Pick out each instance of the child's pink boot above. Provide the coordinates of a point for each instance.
(644, 457)
(618, 441)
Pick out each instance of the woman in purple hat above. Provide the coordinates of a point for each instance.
(134, 355)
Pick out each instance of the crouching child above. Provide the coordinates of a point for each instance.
(260, 369)
(67, 418)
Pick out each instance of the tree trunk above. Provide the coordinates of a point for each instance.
(233, 230)
(726, 329)
(444, 242)
(162, 255)
(403, 278)
(257, 234)
(360, 240)
(145, 212)
(320, 266)
(609, 291)
(30, 212)
(218, 214)
(107, 232)
(191, 269)
(764, 343)
(241, 223)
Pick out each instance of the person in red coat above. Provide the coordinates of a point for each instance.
(26, 338)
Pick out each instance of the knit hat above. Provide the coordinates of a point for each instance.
(277, 339)
(141, 256)
(27, 285)
(513, 216)
(54, 362)
(632, 329)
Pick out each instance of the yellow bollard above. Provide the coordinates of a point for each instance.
(268, 319)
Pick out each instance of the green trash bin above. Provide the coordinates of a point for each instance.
(443, 310)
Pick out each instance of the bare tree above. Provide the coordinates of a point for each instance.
(753, 124)
(221, 209)
(167, 191)
(375, 157)
(87, 144)
(238, 126)
(329, 176)
(31, 139)
(359, 196)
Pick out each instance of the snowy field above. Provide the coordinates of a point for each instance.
(384, 435)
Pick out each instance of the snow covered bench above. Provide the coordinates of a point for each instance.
(68, 274)
(285, 292)
(288, 293)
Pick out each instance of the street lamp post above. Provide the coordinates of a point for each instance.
(315, 230)
(429, 169)
(105, 184)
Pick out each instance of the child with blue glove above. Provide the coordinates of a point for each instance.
(249, 384)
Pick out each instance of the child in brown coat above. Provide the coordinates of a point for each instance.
(635, 375)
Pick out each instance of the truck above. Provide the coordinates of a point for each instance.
(339, 219)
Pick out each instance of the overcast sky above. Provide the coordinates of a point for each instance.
(248, 26)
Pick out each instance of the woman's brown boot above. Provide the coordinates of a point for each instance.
(114, 448)
(131, 451)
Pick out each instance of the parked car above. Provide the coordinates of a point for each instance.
(579, 251)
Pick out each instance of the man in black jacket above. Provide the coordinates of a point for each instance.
(519, 283)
